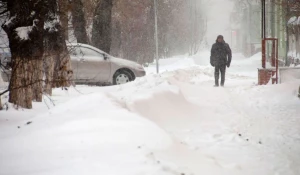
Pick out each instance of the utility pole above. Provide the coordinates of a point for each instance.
(263, 19)
(156, 36)
(287, 33)
(191, 27)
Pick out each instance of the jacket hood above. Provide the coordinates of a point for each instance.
(220, 36)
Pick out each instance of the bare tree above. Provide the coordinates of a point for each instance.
(198, 26)
(3, 13)
(56, 58)
(33, 27)
(101, 33)
(79, 22)
(3, 8)
(63, 9)
(25, 33)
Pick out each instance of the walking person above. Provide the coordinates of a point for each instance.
(220, 58)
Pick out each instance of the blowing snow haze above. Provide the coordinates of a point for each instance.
(218, 19)
(80, 93)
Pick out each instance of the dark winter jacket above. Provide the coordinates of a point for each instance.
(220, 54)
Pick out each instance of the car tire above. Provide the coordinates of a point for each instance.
(122, 76)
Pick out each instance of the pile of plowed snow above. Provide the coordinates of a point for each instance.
(170, 123)
(86, 135)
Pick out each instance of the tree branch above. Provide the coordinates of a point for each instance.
(3, 12)
(2, 93)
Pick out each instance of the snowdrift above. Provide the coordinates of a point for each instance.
(167, 124)
(87, 135)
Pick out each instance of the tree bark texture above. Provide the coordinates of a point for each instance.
(25, 16)
(79, 22)
(63, 8)
(1, 107)
(102, 25)
(49, 71)
(58, 68)
(20, 84)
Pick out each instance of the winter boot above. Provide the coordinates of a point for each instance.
(216, 84)
(222, 81)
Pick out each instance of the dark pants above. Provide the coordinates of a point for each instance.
(218, 69)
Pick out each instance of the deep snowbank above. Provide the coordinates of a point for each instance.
(87, 135)
(171, 123)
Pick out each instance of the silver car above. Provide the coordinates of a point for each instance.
(93, 66)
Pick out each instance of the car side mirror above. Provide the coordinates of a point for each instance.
(105, 57)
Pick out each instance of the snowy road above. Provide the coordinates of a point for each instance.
(172, 123)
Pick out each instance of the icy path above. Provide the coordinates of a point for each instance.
(168, 124)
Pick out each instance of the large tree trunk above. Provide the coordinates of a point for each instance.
(102, 25)
(49, 72)
(57, 63)
(79, 22)
(63, 73)
(37, 76)
(25, 34)
(63, 15)
(20, 84)
(1, 107)
(36, 61)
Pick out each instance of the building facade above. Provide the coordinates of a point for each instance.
(276, 25)
(245, 26)
(293, 31)
(246, 20)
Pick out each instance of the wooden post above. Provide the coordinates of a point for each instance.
(273, 53)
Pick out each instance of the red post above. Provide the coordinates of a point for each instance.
(263, 53)
(265, 75)
(273, 53)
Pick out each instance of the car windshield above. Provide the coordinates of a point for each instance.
(83, 51)
(86, 52)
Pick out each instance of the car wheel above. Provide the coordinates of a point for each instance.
(122, 77)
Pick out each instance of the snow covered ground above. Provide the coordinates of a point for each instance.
(173, 123)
